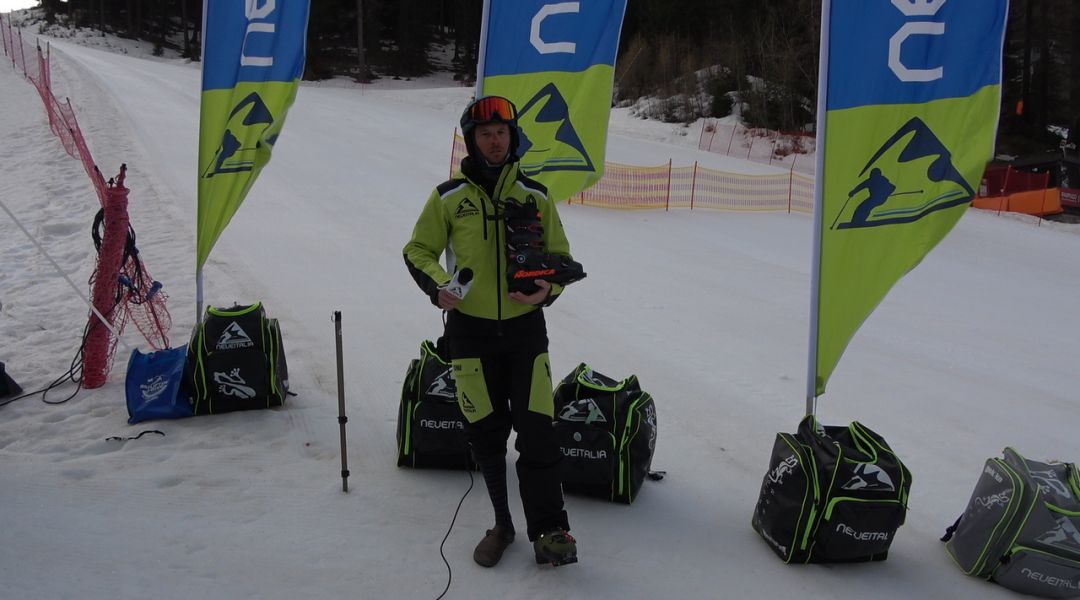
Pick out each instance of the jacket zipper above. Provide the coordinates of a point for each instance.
(499, 250)
(498, 268)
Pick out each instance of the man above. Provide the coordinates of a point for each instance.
(497, 339)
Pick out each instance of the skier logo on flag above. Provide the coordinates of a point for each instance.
(552, 142)
(909, 177)
(248, 122)
(909, 119)
(253, 58)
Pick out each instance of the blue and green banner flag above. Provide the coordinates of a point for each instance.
(909, 97)
(556, 61)
(253, 58)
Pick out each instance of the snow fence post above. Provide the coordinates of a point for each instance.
(790, 182)
(693, 186)
(97, 354)
(22, 54)
(453, 151)
(1004, 187)
(1042, 207)
(44, 86)
(667, 200)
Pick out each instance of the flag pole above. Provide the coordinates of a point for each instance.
(448, 254)
(198, 293)
(198, 200)
(815, 266)
(480, 60)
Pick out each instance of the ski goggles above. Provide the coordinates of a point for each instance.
(492, 108)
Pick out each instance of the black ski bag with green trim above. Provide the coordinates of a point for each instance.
(607, 431)
(832, 495)
(1021, 527)
(430, 427)
(236, 361)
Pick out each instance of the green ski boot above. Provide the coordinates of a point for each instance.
(555, 547)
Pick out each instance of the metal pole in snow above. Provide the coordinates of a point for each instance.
(342, 419)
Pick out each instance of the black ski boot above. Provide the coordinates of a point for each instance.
(524, 245)
(491, 548)
(556, 547)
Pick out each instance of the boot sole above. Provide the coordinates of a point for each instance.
(556, 561)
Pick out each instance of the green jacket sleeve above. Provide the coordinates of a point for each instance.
(429, 238)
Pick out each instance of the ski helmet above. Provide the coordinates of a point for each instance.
(490, 109)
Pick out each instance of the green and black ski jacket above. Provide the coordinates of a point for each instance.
(461, 217)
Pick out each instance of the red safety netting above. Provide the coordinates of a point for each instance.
(792, 150)
(122, 287)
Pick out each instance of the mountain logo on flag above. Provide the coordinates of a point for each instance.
(909, 177)
(247, 124)
(552, 143)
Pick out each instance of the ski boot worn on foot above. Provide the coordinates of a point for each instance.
(491, 548)
(555, 547)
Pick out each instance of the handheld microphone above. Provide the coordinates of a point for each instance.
(460, 284)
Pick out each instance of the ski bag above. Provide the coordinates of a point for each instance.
(831, 494)
(430, 427)
(236, 361)
(8, 387)
(1021, 527)
(607, 431)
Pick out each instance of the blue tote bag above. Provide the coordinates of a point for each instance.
(155, 385)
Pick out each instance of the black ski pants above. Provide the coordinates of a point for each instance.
(504, 381)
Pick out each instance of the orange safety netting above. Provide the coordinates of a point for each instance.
(668, 186)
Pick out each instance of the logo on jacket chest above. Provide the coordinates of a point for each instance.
(466, 208)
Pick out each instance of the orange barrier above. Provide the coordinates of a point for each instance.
(1036, 202)
(668, 186)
